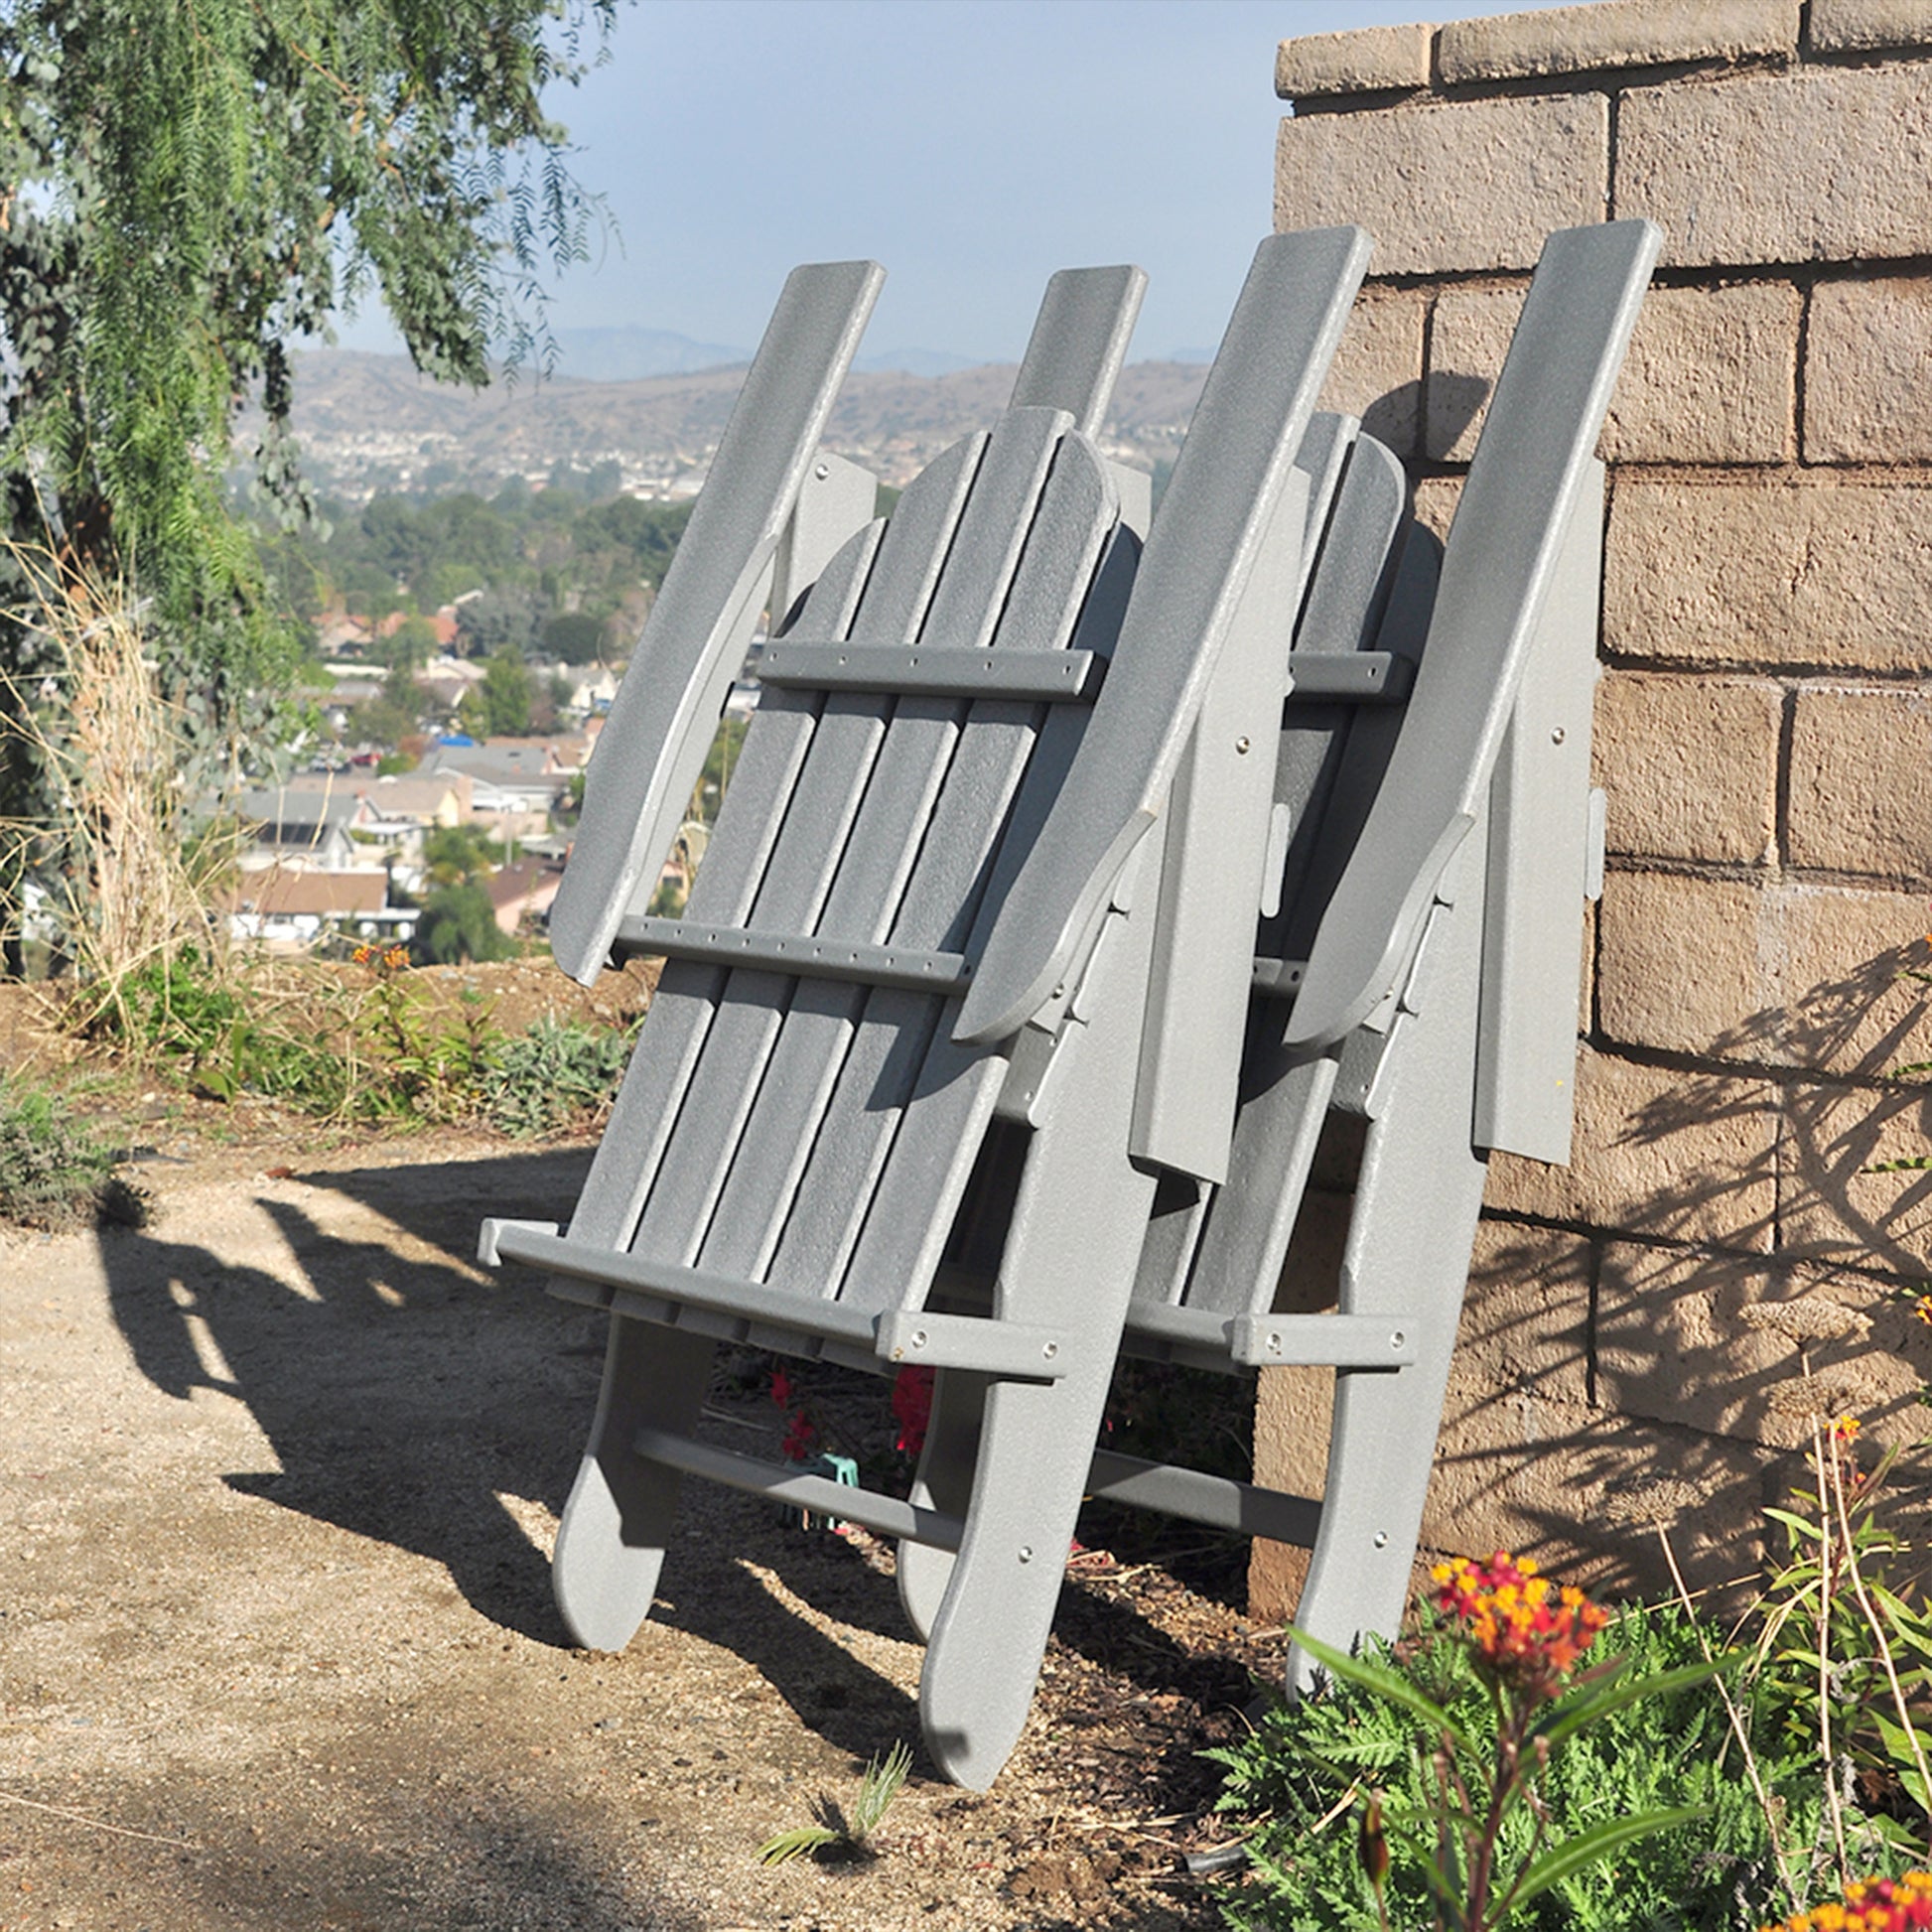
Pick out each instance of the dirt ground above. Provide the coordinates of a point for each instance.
(279, 1475)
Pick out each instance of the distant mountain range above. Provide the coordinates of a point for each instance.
(628, 354)
(370, 424)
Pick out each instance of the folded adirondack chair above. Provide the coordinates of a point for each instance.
(968, 724)
(1430, 836)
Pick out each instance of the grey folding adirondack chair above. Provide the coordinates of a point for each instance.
(930, 786)
(1419, 941)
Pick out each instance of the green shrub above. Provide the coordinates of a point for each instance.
(179, 1007)
(1305, 1774)
(553, 1077)
(459, 924)
(54, 1173)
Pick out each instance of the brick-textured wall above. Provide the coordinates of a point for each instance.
(1763, 730)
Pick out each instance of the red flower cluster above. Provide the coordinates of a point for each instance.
(800, 1432)
(913, 1407)
(1523, 1627)
(1872, 1905)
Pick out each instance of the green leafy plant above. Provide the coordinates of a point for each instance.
(54, 1172)
(188, 1010)
(1615, 1804)
(1846, 1651)
(835, 1833)
(555, 1077)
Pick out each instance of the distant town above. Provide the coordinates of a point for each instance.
(479, 569)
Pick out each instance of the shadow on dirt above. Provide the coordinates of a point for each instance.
(403, 1395)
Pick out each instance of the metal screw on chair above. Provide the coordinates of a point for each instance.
(1381, 1539)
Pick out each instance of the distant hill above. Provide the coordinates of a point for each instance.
(368, 424)
(631, 355)
(628, 354)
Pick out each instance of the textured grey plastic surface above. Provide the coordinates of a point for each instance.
(1219, 506)
(1464, 1036)
(1079, 342)
(1215, 846)
(659, 729)
(769, 1119)
(1542, 425)
(933, 671)
(789, 1151)
(779, 1482)
(835, 498)
(739, 946)
(1540, 830)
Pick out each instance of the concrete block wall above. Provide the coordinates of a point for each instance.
(1637, 1324)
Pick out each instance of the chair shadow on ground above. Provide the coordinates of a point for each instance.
(404, 1396)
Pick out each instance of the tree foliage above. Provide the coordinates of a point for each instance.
(457, 924)
(191, 189)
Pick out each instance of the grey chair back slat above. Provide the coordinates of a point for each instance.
(900, 578)
(1079, 342)
(660, 725)
(1562, 364)
(934, 803)
(799, 770)
(808, 829)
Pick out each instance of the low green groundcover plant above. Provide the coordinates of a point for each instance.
(373, 1047)
(54, 1172)
(551, 1077)
(1361, 1813)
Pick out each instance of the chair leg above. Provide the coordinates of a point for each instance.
(615, 1526)
(945, 1482)
(1416, 1205)
(1070, 1261)
(1382, 1442)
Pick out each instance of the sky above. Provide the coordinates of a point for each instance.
(971, 146)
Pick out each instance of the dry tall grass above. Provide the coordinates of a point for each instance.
(130, 879)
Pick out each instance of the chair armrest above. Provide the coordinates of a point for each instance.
(654, 742)
(1503, 553)
(1221, 503)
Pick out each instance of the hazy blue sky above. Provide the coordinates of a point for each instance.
(971, 146)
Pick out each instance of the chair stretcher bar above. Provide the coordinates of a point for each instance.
(914, 1336)
(781, 1483)
(933, 671)
(783, 952)
(1303, 1341)
(1215, 1502)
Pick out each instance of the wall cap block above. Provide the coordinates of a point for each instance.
(1613, 33)
(1852, 26)
(1363, 60)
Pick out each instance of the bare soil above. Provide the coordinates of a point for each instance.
(280, 1474)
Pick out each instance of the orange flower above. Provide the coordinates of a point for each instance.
(1870, 1905)
(1524, 1629)
(1922, 1309)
